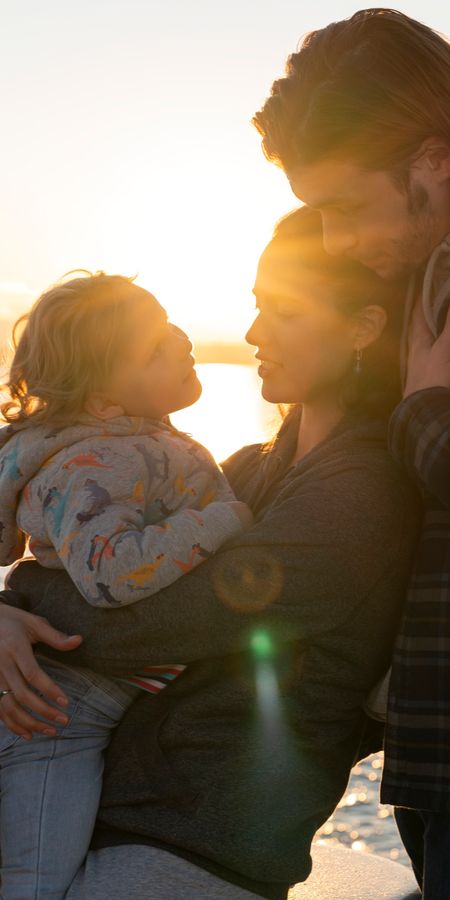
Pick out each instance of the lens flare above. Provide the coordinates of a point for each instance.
(248, 582)
(262, 645)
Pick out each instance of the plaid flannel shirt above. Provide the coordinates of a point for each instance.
(417, 745)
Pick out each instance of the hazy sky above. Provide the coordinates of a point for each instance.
(126, 144)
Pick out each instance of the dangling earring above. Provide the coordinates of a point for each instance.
(357, 365)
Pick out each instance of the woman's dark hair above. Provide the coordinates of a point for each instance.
(370, 88)
(297, 247)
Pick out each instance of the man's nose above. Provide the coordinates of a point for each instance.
(338, 235)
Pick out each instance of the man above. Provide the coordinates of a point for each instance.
(361, 127)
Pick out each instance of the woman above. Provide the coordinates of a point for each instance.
(216, 787)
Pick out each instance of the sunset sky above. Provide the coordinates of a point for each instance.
(126, 145)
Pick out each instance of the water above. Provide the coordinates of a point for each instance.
(360, 822)
(230, 414)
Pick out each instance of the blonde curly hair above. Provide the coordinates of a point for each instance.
(67, 345)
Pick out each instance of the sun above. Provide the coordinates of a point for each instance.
(194, 240)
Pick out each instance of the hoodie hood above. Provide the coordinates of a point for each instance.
(435, 288)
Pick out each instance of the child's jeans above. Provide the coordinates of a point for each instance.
(50, 787)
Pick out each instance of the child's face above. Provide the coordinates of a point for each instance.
(157, 376)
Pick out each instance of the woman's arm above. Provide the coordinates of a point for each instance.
(297, 573)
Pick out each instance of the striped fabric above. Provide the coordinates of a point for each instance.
(154, 678)
(417, 747)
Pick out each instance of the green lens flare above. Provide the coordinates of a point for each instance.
(261, 644)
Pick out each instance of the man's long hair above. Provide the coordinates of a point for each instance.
(370, 88)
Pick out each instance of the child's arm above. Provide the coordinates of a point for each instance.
(114, 558)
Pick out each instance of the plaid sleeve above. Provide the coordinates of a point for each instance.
(419, 439)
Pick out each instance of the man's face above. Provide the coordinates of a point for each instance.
(369, 218)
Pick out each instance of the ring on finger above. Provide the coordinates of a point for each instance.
(3, 693)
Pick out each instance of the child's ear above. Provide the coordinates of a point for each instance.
(102, 407)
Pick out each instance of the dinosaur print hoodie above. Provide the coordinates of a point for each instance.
(125, 506)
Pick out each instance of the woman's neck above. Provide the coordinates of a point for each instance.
(316, 423)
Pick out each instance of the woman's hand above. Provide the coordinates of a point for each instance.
(428, 359)
(21, 674)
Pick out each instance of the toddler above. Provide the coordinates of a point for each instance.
(99, 482)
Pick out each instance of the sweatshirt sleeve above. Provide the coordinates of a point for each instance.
(112, 556)
(299, 572)
(419, 439)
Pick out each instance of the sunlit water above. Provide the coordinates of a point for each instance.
(229, 414)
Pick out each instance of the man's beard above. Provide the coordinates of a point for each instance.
(414, 248)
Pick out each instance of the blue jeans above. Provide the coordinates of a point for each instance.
(50, 787)
(426, 838)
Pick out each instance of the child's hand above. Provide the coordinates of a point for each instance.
(244, 512)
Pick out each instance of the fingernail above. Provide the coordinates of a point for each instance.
(63, 720)
(62, 701)
(26, 737)
(49, 732)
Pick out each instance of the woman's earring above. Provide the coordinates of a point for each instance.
(357, 365)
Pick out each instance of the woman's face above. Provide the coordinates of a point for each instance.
(305, 345)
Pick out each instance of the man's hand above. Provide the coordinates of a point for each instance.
(21, 674)
(428, 359)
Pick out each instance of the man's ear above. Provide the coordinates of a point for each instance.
(370, 322)
(433, 159)
(102, 407)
